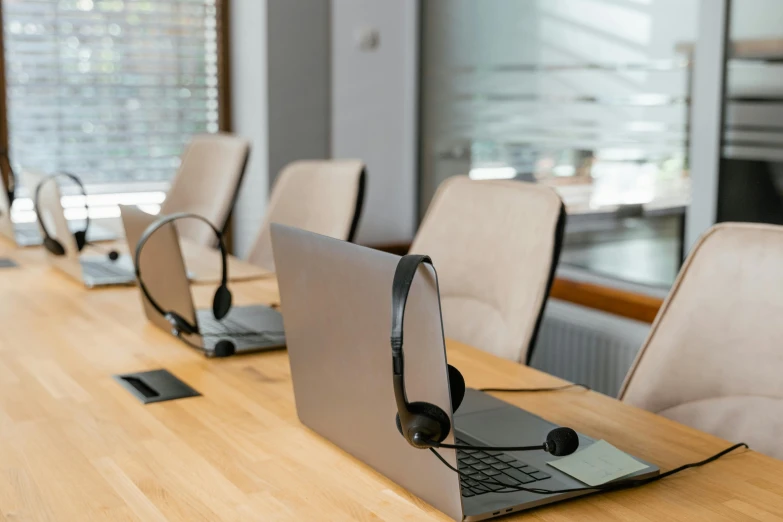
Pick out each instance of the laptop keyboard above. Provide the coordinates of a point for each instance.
(492, 466)
(208, 325)
(242, 336)
(102, 269)
(28, 233)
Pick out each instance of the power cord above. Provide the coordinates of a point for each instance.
(536, 390)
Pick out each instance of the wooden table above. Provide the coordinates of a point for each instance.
(75, 446)
(203, 263)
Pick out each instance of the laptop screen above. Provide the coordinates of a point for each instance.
(162, 268)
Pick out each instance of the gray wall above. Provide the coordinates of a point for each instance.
(301, 93)
(280, 89)
(298, 90)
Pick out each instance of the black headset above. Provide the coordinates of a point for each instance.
(421, 423)
(426, 426)
(80, 236)
(221, 302)
(52, 244)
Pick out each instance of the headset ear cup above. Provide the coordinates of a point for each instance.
(456, 387)
(81, 239)
(224, 348)
(221, 303)
(431, 420)
(53, 246)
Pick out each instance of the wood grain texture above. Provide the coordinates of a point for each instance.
(76, 446)
(202, 262)
(606, 299)
(755, 49)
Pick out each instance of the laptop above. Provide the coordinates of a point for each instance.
(337, 302)
(94, 270)
(28, 234)
(251, 328)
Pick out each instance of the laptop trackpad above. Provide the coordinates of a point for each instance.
(508, 426)
(501, 424)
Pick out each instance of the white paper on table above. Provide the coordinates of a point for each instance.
(598, 464)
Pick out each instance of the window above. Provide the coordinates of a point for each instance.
(111, 90)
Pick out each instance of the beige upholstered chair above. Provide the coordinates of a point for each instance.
(322, 196)
(495, 246)
(713, 359)
(207, 183)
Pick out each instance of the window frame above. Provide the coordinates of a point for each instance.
(5, 163)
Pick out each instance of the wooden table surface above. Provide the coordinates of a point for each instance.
(203, 263)
(75, 446)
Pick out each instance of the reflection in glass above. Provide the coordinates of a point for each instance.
(750, 183)
(588, 96)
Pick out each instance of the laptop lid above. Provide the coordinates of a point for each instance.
(162, 268)
(336, 298)
(52, 213)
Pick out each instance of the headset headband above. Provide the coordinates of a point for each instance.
(36, 205)
(154, 227)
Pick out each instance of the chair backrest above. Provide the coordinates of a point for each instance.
(207, 183)
(495, 245)
(713, 359)
(321, 196)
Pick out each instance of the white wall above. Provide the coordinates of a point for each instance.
(374, 113)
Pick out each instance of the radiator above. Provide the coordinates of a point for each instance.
(587, 346)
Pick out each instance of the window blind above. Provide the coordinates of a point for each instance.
(111, 90)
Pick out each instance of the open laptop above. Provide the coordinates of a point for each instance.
(94, 270)
(337, 302)
(251, 328)
(28, 234)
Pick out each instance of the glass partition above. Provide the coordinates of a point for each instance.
(587, 96)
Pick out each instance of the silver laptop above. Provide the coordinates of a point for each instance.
(251, 328)
(94, 270)
(28, 234)
(337, 302)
